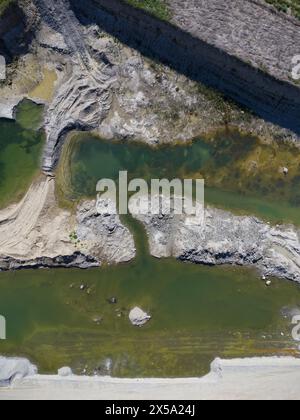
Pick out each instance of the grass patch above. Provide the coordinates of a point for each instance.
(286, 5)
(157, 8)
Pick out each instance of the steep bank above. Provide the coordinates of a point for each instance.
(226, 239)
(231, 47)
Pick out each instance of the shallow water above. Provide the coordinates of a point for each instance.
(198, 313)
(20, 151)
(226, 164)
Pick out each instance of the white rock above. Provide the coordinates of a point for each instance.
(268, 283)
(15, 368)
(138, 317)
(64, 372)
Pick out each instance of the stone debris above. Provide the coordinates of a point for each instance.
(65, 372)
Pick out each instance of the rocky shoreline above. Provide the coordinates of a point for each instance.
(77, 260)
(97, 238)
(226, 239)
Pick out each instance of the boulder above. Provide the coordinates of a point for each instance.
(65, 372)
(138, 317)
(15, 368)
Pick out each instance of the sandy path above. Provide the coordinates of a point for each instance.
(258, 378)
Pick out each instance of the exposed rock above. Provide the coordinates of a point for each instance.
(8, 107)
(97, 320)
(227, 239)
(250, 30)
(76, 260)
(65, 372)
(83, 99)
(15, 368)
(35, 233)
(112, 300)
(117, 92)
(103, 235)
(138, 317)
(268, 283)
(49, 38)
(285, 171)
(239, 47)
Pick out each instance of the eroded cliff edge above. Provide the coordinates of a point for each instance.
(226, 239)
(242, 48)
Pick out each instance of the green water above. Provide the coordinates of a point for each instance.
(265, 193)
(198, 313)
(20, 151)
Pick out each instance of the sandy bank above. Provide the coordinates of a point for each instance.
(35, 227)
(36, 233)
(257, 378)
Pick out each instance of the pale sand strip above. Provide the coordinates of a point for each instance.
(257, 378)
(35, 227)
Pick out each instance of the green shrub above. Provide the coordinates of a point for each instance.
(157, 8)
(285, 5)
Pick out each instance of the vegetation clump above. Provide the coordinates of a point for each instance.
(157, 8)
(287, 6)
